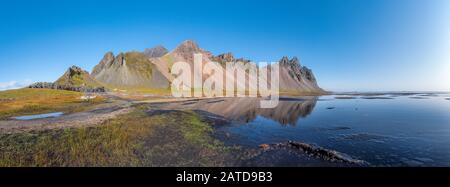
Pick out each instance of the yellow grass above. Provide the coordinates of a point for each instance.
(35, 101)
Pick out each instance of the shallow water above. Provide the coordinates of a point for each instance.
(403, 131)
(400, 131)
(39, 116)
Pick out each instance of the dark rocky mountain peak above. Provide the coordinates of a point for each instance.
(223, 58)
(107, 61)
(75, 70)
(227, 57)
(155, 52)
(121, 59)
(294, 61)
(284, 61)
(188, 47)
(297, 71)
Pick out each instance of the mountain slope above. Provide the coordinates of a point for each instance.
(152, 69)
(296, 78)
(77, 77)
(182, 53)
(128, 70)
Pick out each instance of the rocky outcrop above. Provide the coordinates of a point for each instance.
(296, 70)
(227, 57)
(50, 85)
(187, 47)
(77, 77)
(186, 50)
(297, 78)
(155, 52)
(74, 79)
(106, 62)
(223, 58)
(47, 85)
(316, 151)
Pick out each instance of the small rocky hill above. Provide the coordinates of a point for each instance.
(74, 79)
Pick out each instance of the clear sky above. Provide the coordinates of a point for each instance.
(351, 45)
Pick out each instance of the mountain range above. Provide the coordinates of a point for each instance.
(150, 69)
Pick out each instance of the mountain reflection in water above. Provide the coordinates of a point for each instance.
(392, 129)
(288, 111)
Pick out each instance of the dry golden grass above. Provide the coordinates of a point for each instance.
(34, 101)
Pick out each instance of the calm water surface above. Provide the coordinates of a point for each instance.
(384, 130)
(400, 131)
(39, 116)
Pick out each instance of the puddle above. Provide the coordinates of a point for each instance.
(39, 116)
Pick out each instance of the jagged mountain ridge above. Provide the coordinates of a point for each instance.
(152, 69)
(155, 52)
(129, 70)
(297, 78)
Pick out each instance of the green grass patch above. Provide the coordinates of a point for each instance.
(140, 63)
(168, 138)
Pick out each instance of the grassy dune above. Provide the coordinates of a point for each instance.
(171, 138)
(35, 101)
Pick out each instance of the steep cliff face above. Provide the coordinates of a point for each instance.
(297, 78)
(105, 63)
(128, 70)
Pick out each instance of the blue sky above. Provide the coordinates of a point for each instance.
(351, 45)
